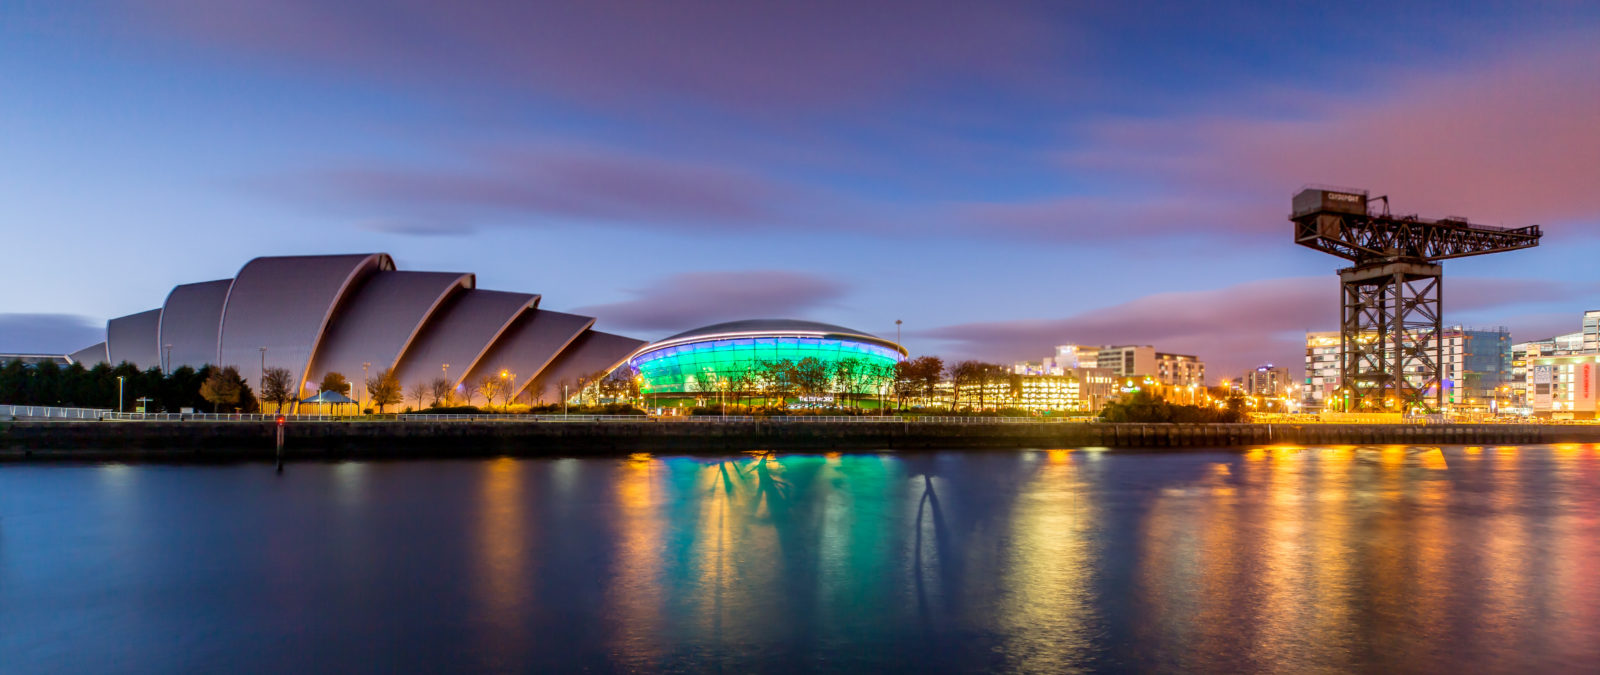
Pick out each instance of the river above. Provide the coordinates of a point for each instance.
(1279, 559)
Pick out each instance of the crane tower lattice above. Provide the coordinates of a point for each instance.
(1391, 320)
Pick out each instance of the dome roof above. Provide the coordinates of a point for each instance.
(749, 327)
(765, 326)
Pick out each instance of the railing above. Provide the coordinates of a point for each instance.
(48, 412)
(501, 417)
(54, 413)
(215, 417)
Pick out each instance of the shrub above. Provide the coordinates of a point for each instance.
(448, 410)
(1145, 407)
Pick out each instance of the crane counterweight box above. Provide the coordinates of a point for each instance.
(1313, 200)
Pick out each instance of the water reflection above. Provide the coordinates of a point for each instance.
(504, 568)
(1385, 558)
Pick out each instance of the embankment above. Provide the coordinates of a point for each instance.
(376, 439)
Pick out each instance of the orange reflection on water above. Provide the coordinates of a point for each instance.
(635, 594)
(1050, 556)
(503, 539)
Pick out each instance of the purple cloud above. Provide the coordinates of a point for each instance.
(544, 184)
(48, 333)
(685, 301)
(1231, 328)
(774, 56)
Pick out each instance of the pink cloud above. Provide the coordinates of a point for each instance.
(1514, 143)
(1102, 219)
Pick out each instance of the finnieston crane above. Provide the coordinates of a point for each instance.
(1391, 314)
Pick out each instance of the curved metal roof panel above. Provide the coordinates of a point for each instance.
(765, 326)
(771, 327)
(459, 333)
(90, 356)
(132, 338)
(284, 304)
(534, 340)
(190, 321)
(380, 319)
(593, 352)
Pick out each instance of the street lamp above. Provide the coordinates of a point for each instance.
(261, 384)
(511, 389)
(564, 396)
(119, 394)
(445, 368)
(166, 369)
(364, 366)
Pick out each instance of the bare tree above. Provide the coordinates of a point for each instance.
(965, 373)
(811, 376)
(419, 391)
(275, 387)
(778, 377)
(742, 382)
(440, 388)
(384, 388)
(489, 387)
(847, 375)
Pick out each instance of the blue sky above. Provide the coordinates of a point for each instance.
(1001, 176)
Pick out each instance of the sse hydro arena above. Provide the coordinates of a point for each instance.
(695, 362)
(357, 315)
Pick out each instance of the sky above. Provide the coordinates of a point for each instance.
(1000, 176)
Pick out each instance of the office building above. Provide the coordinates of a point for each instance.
(1266, 380)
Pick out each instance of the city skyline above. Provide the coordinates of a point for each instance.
(1003, 181)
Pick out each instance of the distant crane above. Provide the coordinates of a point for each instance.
(1391, 314)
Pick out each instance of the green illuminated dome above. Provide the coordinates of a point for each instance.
(742, 355)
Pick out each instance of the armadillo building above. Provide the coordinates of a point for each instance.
(357, 315)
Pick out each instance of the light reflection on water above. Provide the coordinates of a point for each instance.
(1276, 558)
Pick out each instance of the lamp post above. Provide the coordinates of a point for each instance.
(364, 366)
(564, 395)
(166, 368)
(511, 389)
(897, 331)
(119, 394)
(261, 384)
(445, 368)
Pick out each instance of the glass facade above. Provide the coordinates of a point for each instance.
(700, 366)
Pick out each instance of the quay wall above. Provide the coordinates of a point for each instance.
(376, 439)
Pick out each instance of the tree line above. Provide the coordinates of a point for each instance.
(208, 389)
(847, 380)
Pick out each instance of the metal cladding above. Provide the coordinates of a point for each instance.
(283, 305)
(466, 327)
(90, 356)
(320, 314)
(132, 338)
(189, 322)
(593, 353)
(720, 355)
(771, 327)
(528, 345)
(381, 319)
